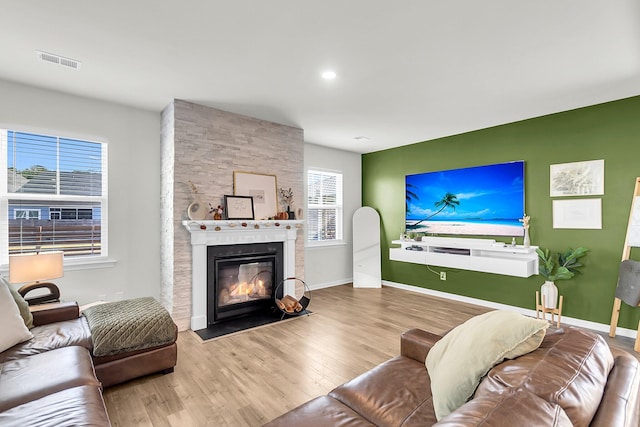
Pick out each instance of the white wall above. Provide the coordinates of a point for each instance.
(333, 265)
(133, 138)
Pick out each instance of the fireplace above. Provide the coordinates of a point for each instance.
(205, 234)
(241, 279)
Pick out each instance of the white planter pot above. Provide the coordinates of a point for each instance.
(549, 293)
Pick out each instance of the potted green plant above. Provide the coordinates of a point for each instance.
(557, 266)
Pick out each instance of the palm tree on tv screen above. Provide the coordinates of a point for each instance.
(448, 200)
(409, 196)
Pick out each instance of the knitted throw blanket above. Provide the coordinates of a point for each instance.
(129, 325)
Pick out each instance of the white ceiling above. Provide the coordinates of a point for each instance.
(408, 70)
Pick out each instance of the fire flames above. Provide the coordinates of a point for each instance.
(241, 292)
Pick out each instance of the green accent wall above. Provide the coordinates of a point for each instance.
(609, 131)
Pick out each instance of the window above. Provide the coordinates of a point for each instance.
(71, 213)
(324, 206)
(54, 195)
(26, 214)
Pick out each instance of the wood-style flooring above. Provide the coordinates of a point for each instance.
(250, 378)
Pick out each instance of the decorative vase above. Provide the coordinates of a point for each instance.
(527, 241)
(549, 293)
(196, 211)
(290, 214)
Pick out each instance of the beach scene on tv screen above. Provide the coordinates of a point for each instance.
(477, 201)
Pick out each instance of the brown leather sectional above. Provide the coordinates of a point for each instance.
(53, 380)
(572, 379)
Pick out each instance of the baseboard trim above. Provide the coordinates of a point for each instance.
(600, 327)
(329, 284)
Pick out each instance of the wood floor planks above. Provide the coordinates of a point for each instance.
(249, 378)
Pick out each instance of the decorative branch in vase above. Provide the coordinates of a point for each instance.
(525, 223)
(216, 212)
(196, 210)
(287, 198)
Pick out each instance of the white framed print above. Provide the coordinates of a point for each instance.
(263, 190)
(577, 179)
(582, 213)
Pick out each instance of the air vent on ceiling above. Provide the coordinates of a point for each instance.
(57, 59)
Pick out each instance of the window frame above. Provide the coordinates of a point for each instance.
(338, 206)
(28, 210)
(71, 263)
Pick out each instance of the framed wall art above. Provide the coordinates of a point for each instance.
(577, 178)
(580, 213)
(262, 188)
(239, 207)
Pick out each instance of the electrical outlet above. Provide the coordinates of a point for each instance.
(443, 275)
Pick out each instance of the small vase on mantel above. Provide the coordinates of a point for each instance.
(527, 241)
(549, 293)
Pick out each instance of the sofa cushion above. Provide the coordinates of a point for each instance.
(571, 369)
(76, 406)
(23, 306)
(511, 408)
(129, 325)
(50, 337)
(390, 393)
(458, 361)
(36, 376)
(14, 330)
(323, 411)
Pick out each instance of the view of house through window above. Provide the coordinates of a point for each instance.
(55, 195)
(324, 206)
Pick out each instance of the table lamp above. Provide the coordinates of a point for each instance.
(33, 268)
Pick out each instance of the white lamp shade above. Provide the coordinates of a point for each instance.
(33, 267)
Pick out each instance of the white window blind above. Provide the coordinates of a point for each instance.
(55, 196)
(324, 206)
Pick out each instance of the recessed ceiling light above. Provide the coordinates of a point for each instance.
(329, 75)
(362, 138)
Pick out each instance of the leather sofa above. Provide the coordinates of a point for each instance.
(53, 380)
(573, 378)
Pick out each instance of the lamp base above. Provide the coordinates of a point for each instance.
(52, 296)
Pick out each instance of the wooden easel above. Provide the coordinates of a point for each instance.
(626, 252)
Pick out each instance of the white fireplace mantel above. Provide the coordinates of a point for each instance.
(236, 232)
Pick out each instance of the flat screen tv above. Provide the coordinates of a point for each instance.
(480, 201)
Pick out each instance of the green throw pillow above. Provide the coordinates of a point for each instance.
(462, 357)
(23, 306)
(13, 329)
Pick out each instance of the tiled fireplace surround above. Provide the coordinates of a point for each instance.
(205, 146)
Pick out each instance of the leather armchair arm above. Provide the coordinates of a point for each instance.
(44, 314)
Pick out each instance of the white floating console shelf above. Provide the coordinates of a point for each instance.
(483, 255)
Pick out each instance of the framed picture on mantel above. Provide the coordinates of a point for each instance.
(239, 207)
(262, 188)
